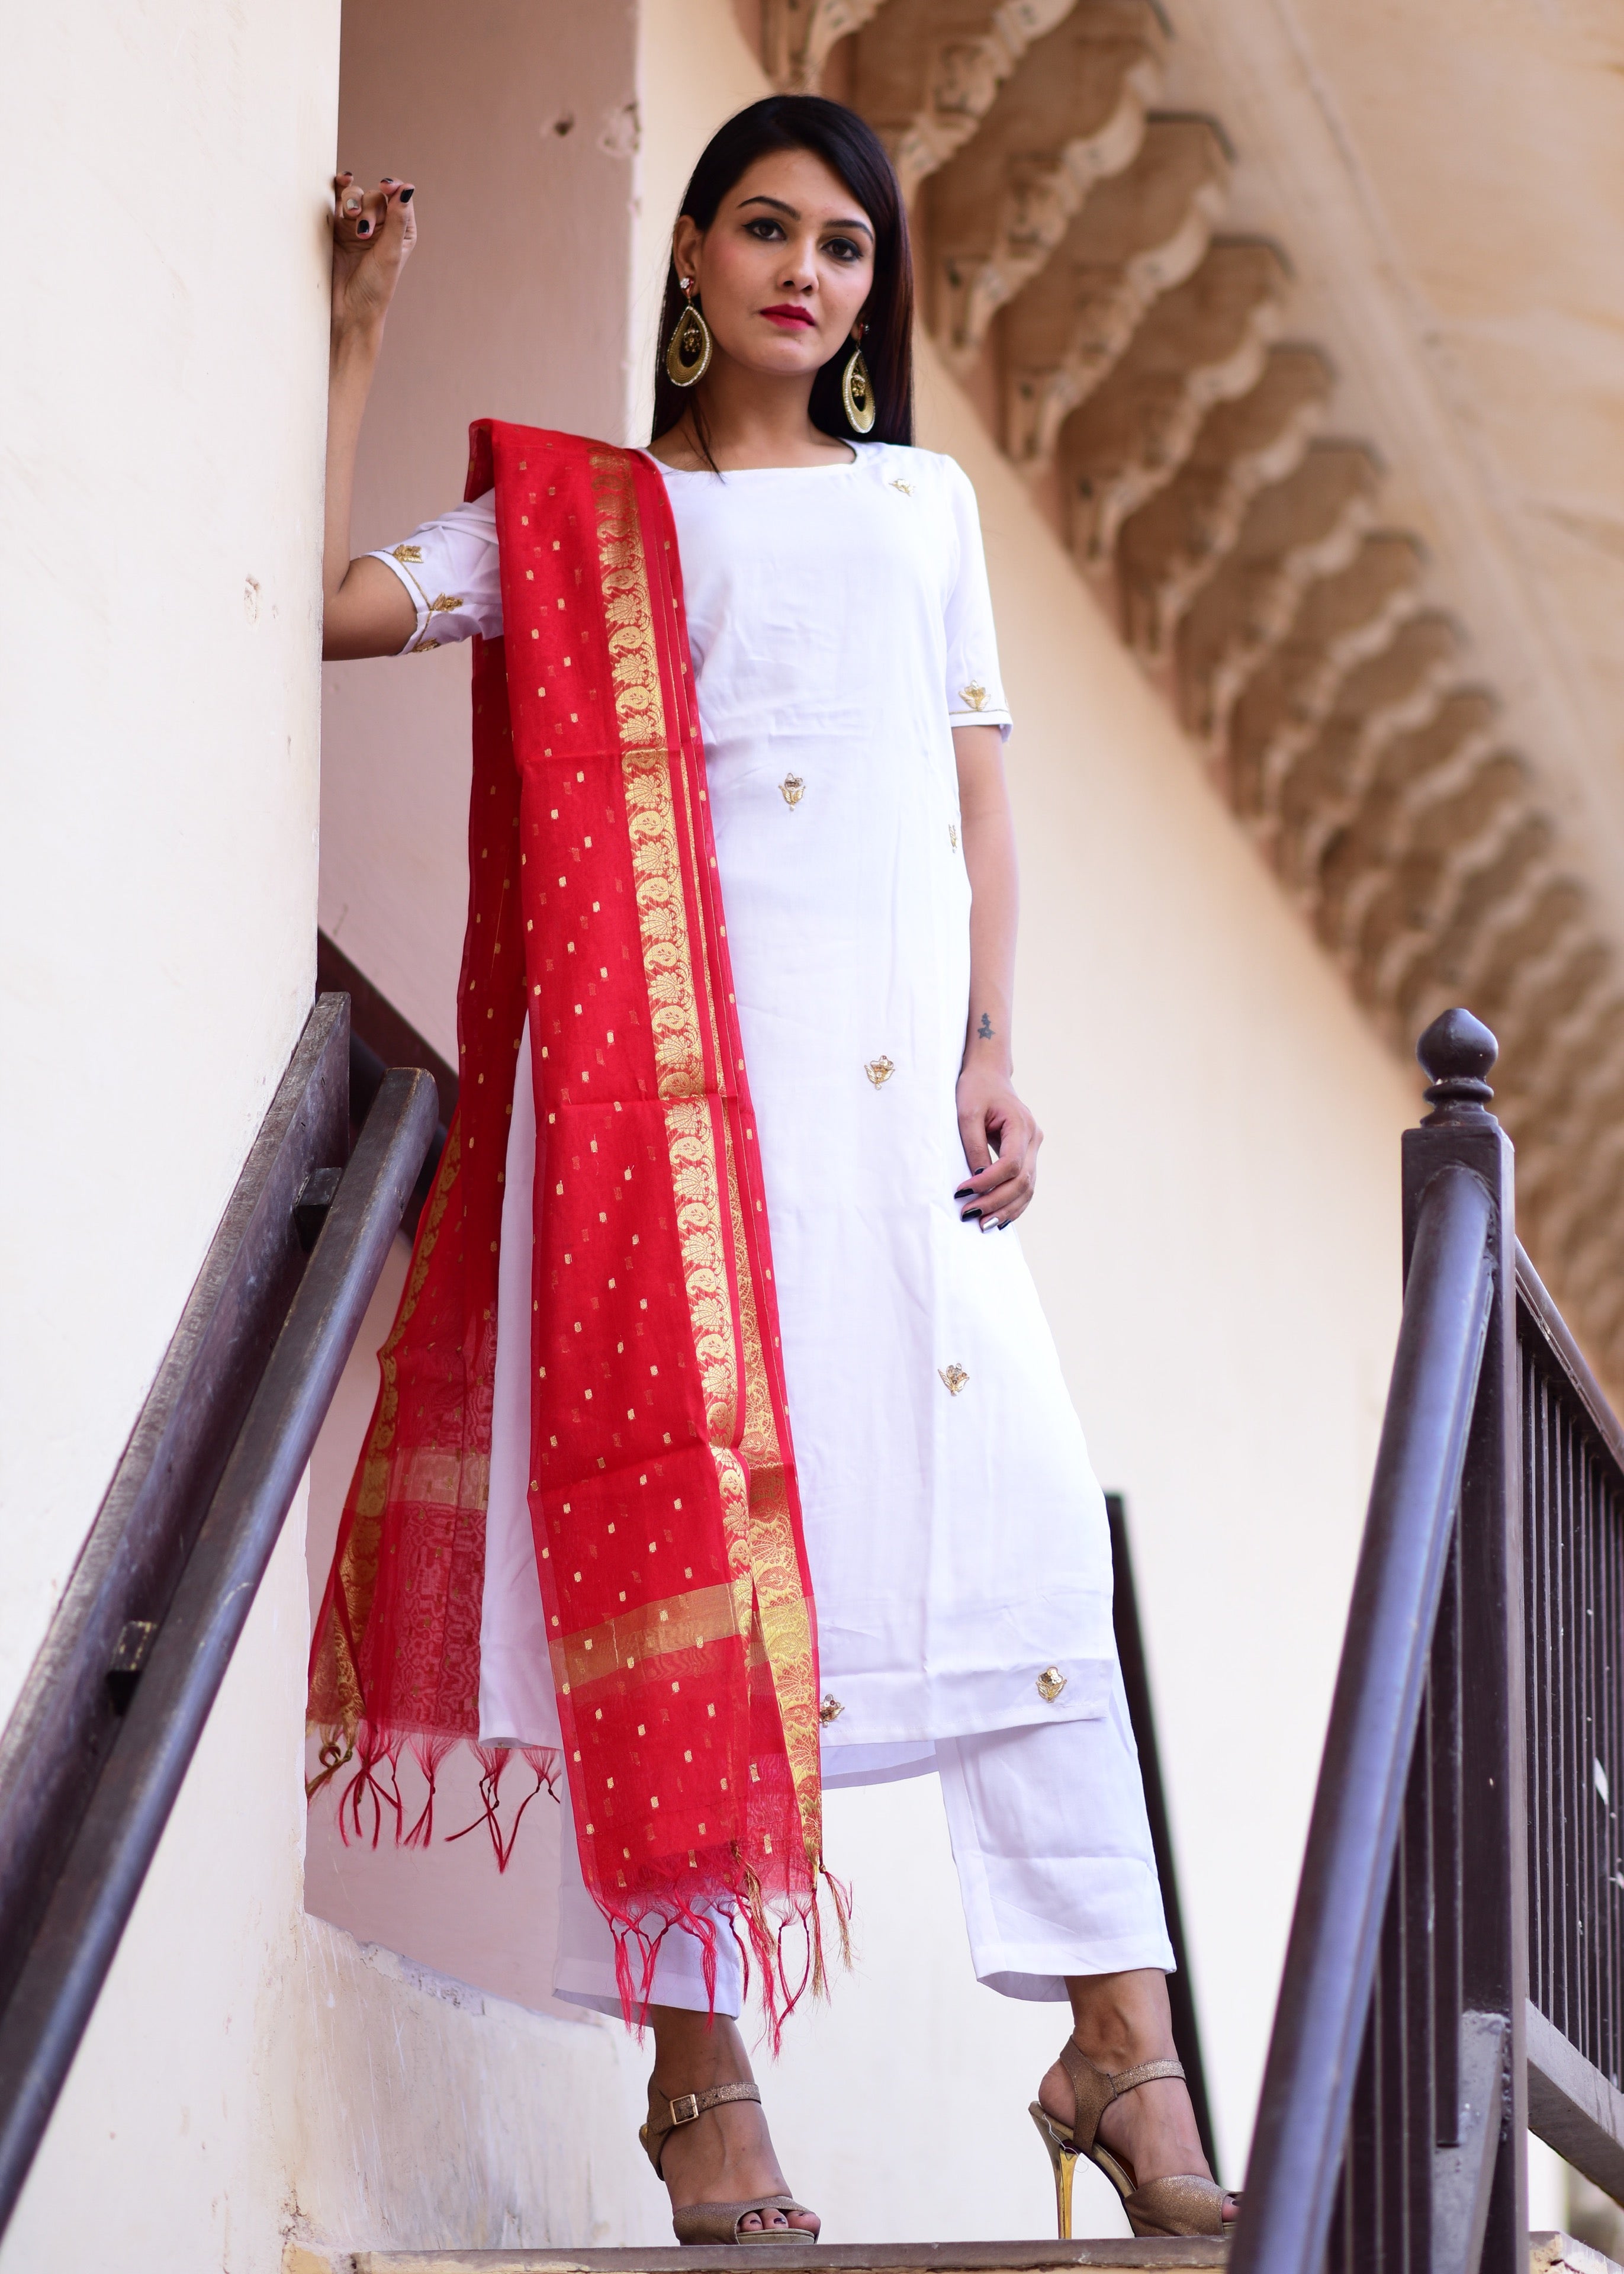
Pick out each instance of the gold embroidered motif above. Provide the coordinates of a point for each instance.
(1050, 1682)
(952, 836)
(955, 1377)
(645, 767)
(690, 1140)
(404, 552)
(793, 789)
(974, 696)
(879, 1071)
(443, 603)
(831, 1710)
(905, 488)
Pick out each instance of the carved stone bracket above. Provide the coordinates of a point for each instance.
(1201, 343)
(1071, 112)
(1295, 532)
(1341, 622)
(1140, 233)
(798, 34)
(1174, 545)
(926, 72)
(1391, 693)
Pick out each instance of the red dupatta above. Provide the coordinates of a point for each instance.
(663, 1495)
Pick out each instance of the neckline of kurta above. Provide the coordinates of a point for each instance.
(737, 473)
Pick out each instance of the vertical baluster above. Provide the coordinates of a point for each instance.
(1537, 1600)
(1392, 2146)
(1420, 1915)
(1567, 2020)
(1601, 1787)
(1600, 1928)
(1444, 1695)
(1363, 2160)
(1493, 1723)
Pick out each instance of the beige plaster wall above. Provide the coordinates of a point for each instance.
(521, 133)
(164, 171)
(162, 406)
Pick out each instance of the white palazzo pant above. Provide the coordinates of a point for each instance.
(1046, 1821)
(1055, 1868)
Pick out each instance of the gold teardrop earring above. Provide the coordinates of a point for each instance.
(857, 389)
(687, 351)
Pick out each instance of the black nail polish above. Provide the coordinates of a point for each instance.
(971, 1216)
(406, 196)
(363, 229)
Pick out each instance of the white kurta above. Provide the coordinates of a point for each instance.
(840, 628)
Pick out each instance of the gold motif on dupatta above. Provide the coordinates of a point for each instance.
(645, 770)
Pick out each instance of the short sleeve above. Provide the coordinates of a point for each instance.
(452, 569)
(974, 685)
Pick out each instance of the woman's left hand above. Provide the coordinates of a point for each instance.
(1001, 1140)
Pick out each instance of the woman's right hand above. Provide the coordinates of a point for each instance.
(373, 233)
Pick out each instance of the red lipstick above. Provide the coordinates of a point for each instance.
(785, 313)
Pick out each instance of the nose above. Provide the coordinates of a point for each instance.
(799, 272)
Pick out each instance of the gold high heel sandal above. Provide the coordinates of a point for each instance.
(1182, 2205)
(714, 2221)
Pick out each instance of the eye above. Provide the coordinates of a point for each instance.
(764, 229)
(843, 248)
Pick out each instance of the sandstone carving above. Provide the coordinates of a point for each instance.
(1201, 344)
(1171, 548)
(1342, 621)
(1140, 233)
(1071, 112)
(926, 72)
(798, 34)
(1295, 532)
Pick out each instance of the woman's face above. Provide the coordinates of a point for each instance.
(784, 270)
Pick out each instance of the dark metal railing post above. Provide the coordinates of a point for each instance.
(1389, 2136)
(1492, 1877)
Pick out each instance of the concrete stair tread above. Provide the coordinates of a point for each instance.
(1548, 2254)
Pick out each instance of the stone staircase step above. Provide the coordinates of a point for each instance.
(1548, 2254)
(1110, 2257)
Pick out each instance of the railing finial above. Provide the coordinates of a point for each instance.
(1457, 1053)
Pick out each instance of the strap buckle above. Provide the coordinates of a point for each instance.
(685, 2108)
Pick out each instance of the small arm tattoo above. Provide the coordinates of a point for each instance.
(985, 1030)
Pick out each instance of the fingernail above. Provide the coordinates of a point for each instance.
(387, 179)
(406, 195)
(971, 1216)
(363, 229)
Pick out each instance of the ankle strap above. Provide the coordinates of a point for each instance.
(666, 2115)
(1094, 2088)
(1125, 2079)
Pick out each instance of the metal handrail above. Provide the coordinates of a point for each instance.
(92, 1895)
(1331, 1956)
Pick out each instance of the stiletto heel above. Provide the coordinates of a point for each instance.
(1062, 2155)
(1183, 2204)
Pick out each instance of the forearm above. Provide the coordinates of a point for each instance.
(988, 835)
(353, 362)
(366, 609)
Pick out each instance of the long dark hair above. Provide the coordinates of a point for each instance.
(849, 147)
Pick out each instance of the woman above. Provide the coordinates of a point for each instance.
(847, 684)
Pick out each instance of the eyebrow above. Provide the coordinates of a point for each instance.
(779, 205)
